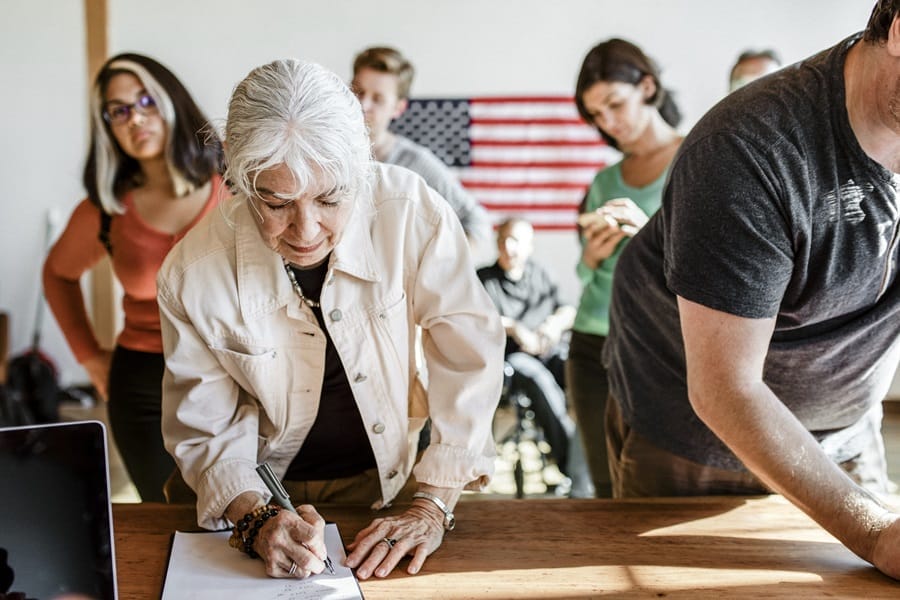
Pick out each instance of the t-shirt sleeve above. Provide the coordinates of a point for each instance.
(728, 243)
(472, 216)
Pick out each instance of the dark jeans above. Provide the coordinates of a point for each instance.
(532, 378)
(135, 398)
(588, 388)
(535, 379)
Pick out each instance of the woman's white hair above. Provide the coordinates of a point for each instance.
(104, 149)
(302, 115)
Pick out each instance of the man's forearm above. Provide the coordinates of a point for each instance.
(776, 447)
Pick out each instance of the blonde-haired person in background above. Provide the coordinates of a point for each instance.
(152, 172)
(288, 327)
(382, 78)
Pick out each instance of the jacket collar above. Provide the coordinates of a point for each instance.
(355, 253)
(263, 286)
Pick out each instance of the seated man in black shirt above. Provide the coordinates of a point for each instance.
(535, 320)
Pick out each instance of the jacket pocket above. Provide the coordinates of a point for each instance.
(245, 365)
(392, 327)
(260, 372)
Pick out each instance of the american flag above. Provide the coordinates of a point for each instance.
(531, 157)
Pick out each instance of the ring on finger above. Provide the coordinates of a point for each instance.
(389, 541)
(293, 568)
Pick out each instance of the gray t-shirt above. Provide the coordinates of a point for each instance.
(472, 216)
(772, 209)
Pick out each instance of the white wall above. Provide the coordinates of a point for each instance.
(43, 136)
(459, 47)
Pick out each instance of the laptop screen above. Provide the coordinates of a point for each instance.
(55, 514)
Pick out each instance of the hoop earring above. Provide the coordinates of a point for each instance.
(259, 216)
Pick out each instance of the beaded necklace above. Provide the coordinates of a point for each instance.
(296, 285)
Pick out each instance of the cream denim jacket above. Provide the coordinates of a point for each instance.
(245, 357)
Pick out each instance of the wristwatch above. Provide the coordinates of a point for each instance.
(449, 519)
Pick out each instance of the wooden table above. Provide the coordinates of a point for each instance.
(721, 547)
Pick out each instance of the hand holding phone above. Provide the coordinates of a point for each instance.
(620, 213)
(597, 220)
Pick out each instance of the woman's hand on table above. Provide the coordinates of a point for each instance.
(379, 547)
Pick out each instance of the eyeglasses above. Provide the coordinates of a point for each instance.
(119, 114)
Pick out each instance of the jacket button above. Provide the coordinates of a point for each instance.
(359, 378)
(378, 427)
(335, 315)
(392, 474)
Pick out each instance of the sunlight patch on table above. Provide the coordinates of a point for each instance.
(670, 579)
(750, 521)
(522, 584)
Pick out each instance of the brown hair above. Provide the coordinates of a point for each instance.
(766, 53)
(619, 60)
(880, 20)
(387, 60)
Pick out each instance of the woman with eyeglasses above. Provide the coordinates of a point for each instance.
(152, 172)
(289, 324)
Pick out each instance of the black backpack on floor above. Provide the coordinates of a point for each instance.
(31, 394)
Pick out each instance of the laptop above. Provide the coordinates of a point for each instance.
(56, 535)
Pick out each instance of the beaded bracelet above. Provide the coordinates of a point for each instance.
(245, 531)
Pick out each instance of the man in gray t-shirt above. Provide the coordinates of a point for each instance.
(381, 80)
(754, 320)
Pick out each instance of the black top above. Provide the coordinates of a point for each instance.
(337, 445)
(529, 300)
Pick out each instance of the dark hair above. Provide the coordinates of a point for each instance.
(193, 151)
(619, 60)
(766, 53)
(387, 60)
(880, 20)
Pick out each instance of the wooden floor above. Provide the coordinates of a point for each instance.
(540, 478)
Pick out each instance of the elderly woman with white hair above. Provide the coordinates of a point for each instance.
(289, 322)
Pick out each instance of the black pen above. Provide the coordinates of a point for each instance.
(280, 496)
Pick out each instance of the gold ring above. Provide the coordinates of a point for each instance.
(293, 568)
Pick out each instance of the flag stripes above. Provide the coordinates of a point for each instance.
(530, 157)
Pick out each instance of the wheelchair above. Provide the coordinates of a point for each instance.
(525, 434)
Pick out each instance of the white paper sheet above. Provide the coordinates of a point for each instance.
(203, 566)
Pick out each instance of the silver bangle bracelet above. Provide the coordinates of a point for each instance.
(449, 519)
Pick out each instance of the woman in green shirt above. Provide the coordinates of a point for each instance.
(619, 92)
